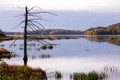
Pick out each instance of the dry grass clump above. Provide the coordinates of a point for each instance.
(15, 72)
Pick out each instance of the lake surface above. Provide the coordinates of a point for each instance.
(83, 54)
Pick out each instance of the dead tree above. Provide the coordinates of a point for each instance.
(31, 22)
(25, 58)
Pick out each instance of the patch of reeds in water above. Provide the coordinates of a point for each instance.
(88, 76)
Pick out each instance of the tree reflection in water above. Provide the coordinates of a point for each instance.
(110, 39)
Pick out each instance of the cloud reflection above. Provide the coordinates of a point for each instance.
(68, 65)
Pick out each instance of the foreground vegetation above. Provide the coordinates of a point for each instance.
(14, 72)
(89, 76)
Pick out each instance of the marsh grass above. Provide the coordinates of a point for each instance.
(7, 55)
(89, 76)
(16, 72)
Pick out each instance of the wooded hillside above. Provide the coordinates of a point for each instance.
(55, 32)
(109, 30)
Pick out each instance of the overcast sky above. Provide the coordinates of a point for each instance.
(72, 14)
(64, 4)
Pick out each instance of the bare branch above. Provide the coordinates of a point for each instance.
(46, 42)
(37, 19)
(20, 15)
(34, 8)
(38, 28)
(30, 27)
(34, 25)
(45, 31)
(12, 43)
(40, 42)
(37, 23)
(31, 31)
(44, 12)
(49, 43)
(35, 16)
(18, 24)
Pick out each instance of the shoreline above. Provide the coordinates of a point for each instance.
(52, 37)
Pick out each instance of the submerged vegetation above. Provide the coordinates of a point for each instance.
(43, 47)
(45, 56)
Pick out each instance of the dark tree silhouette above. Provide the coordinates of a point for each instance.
(30, 24)
(25, 36)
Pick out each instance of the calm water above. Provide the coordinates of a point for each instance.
(71, 55)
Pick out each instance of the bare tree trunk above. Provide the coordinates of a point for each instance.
(25, 36)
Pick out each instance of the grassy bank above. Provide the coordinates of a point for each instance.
(15, 72)
(5, 38)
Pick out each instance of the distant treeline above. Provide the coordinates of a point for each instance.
(13, 33)
(108, 30)
(48, 32)
(55, 32)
